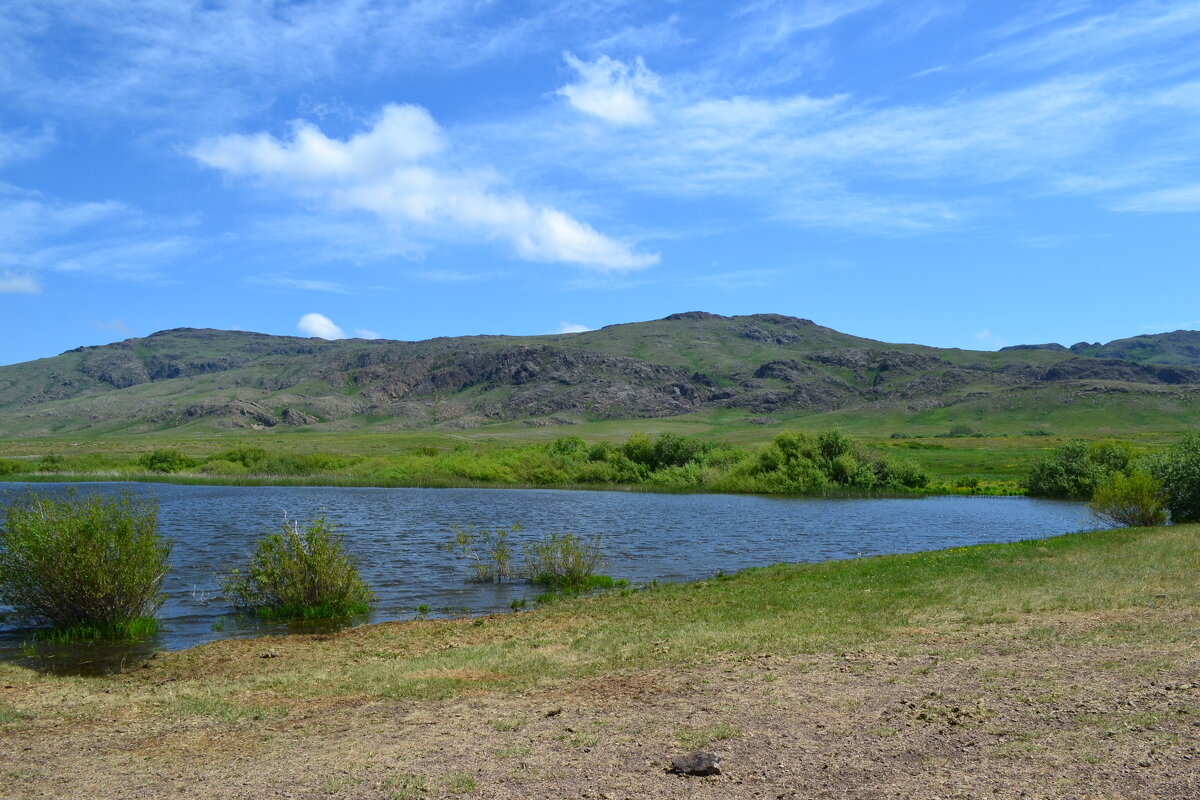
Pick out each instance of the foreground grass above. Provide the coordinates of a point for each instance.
(782, 609)
(1015, 633)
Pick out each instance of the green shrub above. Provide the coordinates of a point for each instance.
(94, 564)
(300, 573)
(568, 446)
(166, 461)
(1179, 471)
(51, 462)
(11, 467)
(1076, 468)
(961, 430)
(565, 562)
(249, 456)
(1134, 499)
(222, 467)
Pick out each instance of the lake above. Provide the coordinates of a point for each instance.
(397, 535)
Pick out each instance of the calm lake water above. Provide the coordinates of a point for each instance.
(397, 535)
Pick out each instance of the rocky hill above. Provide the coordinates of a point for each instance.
(692, 362)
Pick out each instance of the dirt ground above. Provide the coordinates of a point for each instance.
(1068, 706)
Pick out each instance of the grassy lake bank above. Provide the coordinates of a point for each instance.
(1047, 666)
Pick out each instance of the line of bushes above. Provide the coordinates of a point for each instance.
(793, 463)
(1125, 487)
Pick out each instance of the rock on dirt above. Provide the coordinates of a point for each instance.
(696, 764)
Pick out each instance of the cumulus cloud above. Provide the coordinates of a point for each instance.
(16, 283)
(571, 327)
(320, 326)
(612, 90)
(392, 171)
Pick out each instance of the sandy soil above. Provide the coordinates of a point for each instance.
(1069, 706)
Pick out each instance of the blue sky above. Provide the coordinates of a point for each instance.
(961, 173)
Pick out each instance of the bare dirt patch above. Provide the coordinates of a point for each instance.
(1046, 706)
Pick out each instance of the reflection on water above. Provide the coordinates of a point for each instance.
(397, 535)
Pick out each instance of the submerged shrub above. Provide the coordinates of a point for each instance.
(564, 561)
(487, 550)
(1135, 499)
(93, 564)
(300, 573)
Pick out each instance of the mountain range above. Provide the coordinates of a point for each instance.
(761, 366)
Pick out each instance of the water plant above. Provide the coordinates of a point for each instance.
(565, 562)
(87, 567)
(300, 572)
(487, 550)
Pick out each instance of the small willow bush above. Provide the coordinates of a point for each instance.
(1135, 499)
(300, 572)
(89, 567)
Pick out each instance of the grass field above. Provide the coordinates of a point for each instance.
(1052, 667)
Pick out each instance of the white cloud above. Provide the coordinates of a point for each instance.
(27, 216)
(391, 171)
(989, 340)
(114, 325)
(1163, 201)
(17, 283)
(840, 161)
(191, 65)
(1149, 23)
(612, 90)
(284, 282)
(15, 146)
(320, 326)
(775, 22)
(571, 327)
(366, 333)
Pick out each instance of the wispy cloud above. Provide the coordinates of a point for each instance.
(114, 325)
(193, 65)
(1089, 37)
(18, 283)
(773, 23)
(319, 326)
(366, 333)
(989, 340)
(392, 171)
(1162, 201)
(851, 162)
(303, 284)
(28, 216)
(571, 327)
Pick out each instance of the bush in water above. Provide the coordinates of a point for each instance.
(91, 566)
(300, 573)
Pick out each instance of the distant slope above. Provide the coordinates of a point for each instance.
(691, 362)
(1178, 348)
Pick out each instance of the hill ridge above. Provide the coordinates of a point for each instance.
(684, 363)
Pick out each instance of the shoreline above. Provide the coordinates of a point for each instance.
(1040, 666)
